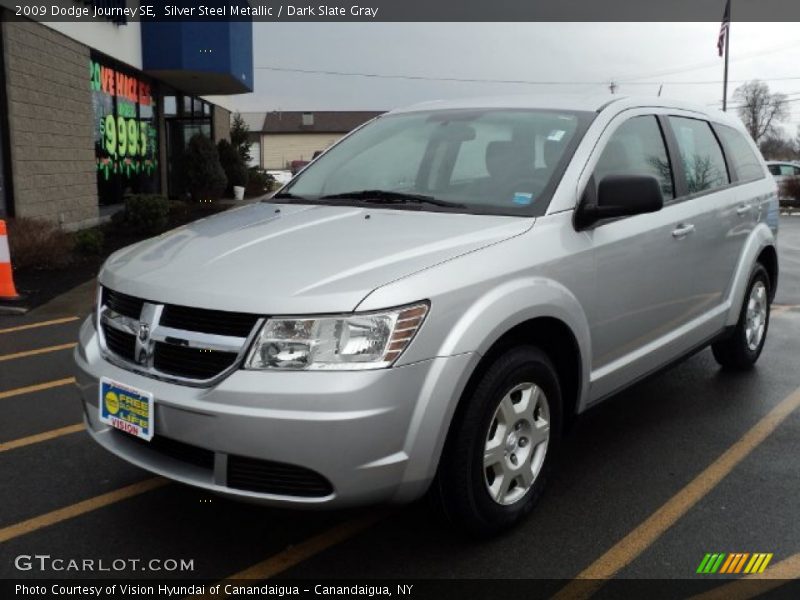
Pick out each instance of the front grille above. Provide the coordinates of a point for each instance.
(193, 363)
(177, 336)
(269, 477)
(194, 455)
(120, 343)
(218, 322)
(122, 303)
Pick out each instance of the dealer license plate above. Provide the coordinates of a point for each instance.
(127, 408)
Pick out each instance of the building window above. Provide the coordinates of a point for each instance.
(125, 131)
(170, 106)
(308, 119)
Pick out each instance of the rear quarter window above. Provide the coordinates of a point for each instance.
(740, 154)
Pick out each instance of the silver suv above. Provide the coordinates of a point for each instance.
(429, 303)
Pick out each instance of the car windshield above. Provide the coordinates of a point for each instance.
(476, 161)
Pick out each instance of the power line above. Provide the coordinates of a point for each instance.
(409, 77)
(427, 78)
(750, 105)
(789, 97)
(715, 63)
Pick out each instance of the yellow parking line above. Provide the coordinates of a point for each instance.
(79, 508)
(40, 437)
(39, 324)
(638, 540)
(29, 389)
(752, 586)
(46, 350)
(303, 551)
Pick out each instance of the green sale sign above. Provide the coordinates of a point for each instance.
(126, 138)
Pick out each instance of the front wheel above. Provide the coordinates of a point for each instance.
(741, 350)
(502, 445)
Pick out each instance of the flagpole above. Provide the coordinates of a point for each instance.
(727, 49)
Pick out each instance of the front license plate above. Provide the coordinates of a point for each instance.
(126, 408)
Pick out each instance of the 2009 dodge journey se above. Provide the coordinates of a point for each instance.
(432, 300)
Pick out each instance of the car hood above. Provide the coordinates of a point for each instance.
(296, 259)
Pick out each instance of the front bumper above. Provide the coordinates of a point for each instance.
(374, 435)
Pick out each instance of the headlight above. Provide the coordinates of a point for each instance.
(349, 342)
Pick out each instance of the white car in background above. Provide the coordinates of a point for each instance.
(281, 176)
(782, 172)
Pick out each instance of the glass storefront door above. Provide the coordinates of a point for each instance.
(184, 117)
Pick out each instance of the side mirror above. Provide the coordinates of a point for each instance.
(622, 196)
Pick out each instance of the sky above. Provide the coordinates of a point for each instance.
(639, 57)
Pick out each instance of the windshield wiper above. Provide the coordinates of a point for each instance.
(287, 196)
(390, 197)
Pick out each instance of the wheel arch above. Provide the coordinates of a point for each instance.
(760, 247)
(553, 337)
(769, 258)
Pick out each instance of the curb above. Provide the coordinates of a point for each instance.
(13, 309)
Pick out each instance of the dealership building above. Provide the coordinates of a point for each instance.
(93, 111)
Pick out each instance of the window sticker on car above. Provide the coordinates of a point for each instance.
(522, 198)
(556, 135)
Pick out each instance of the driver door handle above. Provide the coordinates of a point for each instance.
(743, 209)
(682, 230)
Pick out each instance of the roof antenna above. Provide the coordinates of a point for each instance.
(613, 87)
(661, 87)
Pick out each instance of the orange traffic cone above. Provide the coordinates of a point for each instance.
(7, 289)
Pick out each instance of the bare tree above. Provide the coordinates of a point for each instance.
(760, 110)
(778, 148)
(796, 142)
(700, 173)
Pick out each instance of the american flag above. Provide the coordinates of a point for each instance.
(723, 28)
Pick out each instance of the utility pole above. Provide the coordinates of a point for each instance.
(726, 17)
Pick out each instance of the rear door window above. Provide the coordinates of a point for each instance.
(740, 154)
(701, 155)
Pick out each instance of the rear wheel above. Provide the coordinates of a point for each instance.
(741, 350)
(502, 447)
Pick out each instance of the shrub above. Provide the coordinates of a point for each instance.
(233, 165)
(147, 214)
(179, 212)
(118, 219)
(259, 182)
(38, 244)
(90, 241)
(790, 191)
(240, 138)
(205, 177)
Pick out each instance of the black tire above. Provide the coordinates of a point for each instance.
(734, 352)
(461, 487)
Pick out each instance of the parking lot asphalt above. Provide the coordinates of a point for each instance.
(691, 461)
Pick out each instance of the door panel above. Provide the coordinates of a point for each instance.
(644, 284)
(723, 215)
(726, 220)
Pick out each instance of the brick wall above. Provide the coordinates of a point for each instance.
(50, 125)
